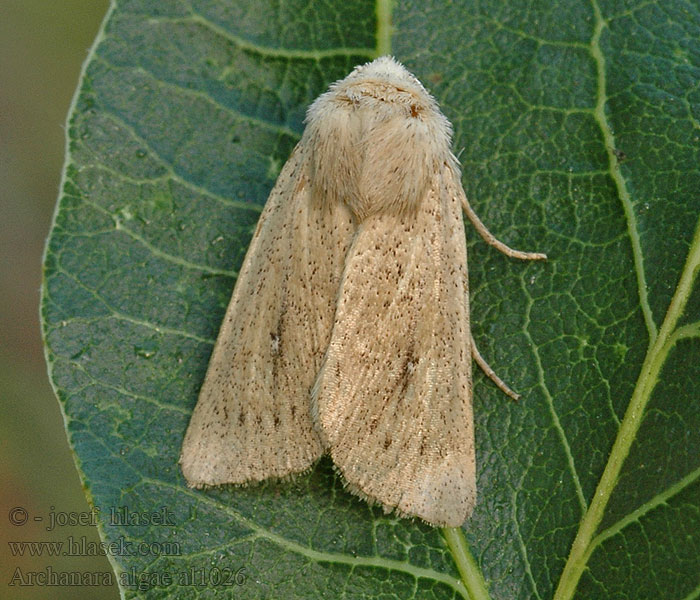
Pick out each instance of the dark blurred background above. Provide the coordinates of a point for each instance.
(43, 44)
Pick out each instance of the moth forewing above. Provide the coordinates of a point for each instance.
(252, 417)
(394, 394)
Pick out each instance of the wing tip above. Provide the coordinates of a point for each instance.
(450, 506)
(201, 474)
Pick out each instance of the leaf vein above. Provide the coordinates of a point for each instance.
(620, 183)
(636, 515)
(162, 254)
(268, 51)
(317, 555)
(116, 314)
(553, 413)
(192, 93)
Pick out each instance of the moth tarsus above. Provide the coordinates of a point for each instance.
(491, 239)
(348, 329)
(490, 373)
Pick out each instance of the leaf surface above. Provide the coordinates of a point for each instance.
(577, 125)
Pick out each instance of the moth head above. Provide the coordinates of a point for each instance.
(378, 139)
(388, 88)
(386, 68)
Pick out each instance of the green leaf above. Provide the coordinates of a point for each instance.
(578, 127)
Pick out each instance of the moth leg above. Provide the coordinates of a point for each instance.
(490, 239)
(490, 373)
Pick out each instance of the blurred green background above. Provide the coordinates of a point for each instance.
(43, 44)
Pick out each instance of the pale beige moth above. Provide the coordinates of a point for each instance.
(348, 330)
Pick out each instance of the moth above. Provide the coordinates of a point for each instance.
(348, 328)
